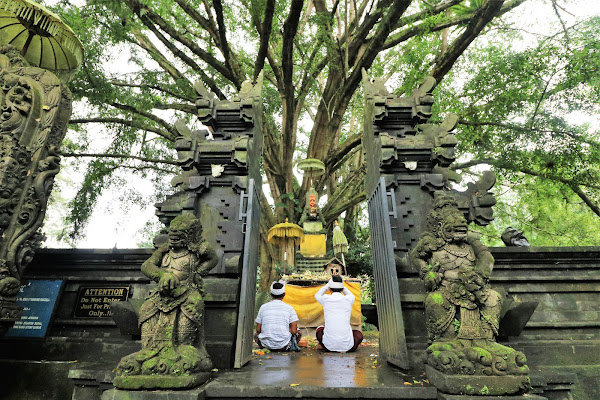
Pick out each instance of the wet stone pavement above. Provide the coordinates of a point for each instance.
(312, 373)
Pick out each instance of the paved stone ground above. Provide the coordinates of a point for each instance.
(315, 373)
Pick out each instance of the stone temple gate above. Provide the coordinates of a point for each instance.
(407, 157)
(220, 185)
(407, 160)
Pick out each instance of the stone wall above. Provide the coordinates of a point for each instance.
(97, 343)
(560, 340)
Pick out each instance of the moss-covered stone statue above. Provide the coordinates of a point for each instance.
(463, 310)
(173, 353)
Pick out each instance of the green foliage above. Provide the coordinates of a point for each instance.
(528, 113)
(456, 324)
(367, 289)
(359, 259)
(549, 214)
(527, 108)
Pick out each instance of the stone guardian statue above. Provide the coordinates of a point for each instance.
(462, 310)
(173, 352)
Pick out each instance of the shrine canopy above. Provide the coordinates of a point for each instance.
(287, 236)
(312, 167)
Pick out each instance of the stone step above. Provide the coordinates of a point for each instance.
(311, 264)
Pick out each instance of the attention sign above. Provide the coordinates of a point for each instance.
(94, 302)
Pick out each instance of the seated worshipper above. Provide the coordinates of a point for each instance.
(337, 334)
(277, 323)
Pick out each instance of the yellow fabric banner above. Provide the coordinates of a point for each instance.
(313, 246)
(310, 312)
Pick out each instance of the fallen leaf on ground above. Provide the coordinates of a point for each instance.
(294, 384)
(408, 383)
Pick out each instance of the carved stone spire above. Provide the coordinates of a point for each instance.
(35, 108)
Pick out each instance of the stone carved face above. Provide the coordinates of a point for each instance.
(455, 229)
(183, 231)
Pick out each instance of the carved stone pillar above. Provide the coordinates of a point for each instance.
(217, 168)
(35, 108)
(413, 156)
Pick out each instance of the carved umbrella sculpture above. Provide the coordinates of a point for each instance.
(35, 108)
(462, 309)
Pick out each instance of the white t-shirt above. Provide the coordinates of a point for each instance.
(275, 318)
(337, 308)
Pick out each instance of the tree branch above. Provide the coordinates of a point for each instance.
(333, 162)
(230, 60)
(482, 17)
(519, 128)
(423, 28)
(515, 168)
(437, 9)
(265, 35)
(120, 156)
(206, 24)
(121, 121)
(155, 87)
(149, 18)
(593, 206)
(160, 121)
(187, 108)
(167, 66)
(185, 58)
(290, 27)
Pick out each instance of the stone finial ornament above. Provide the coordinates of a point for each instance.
(514, 237)
(462, 309)
(173, 352)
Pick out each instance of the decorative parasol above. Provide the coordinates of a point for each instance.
(287, 235)
(340, 243)
(312, 167)
(43, 39)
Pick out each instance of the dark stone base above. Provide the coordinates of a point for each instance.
(479, 385)
(116, 394)
(443, 396)
(138, 382)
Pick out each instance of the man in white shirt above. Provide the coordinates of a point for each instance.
(276, 322)
(337, 334)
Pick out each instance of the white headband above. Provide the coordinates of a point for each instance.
(335, 285)
(278, 292)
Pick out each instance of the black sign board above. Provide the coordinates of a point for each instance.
(38, 299)
(94, 302)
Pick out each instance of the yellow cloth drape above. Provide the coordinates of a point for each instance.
(310, 312)
(313, 246)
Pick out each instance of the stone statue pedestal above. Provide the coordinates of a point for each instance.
(443, 396)
(117, 394)
(476, 385)
(141, 382)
